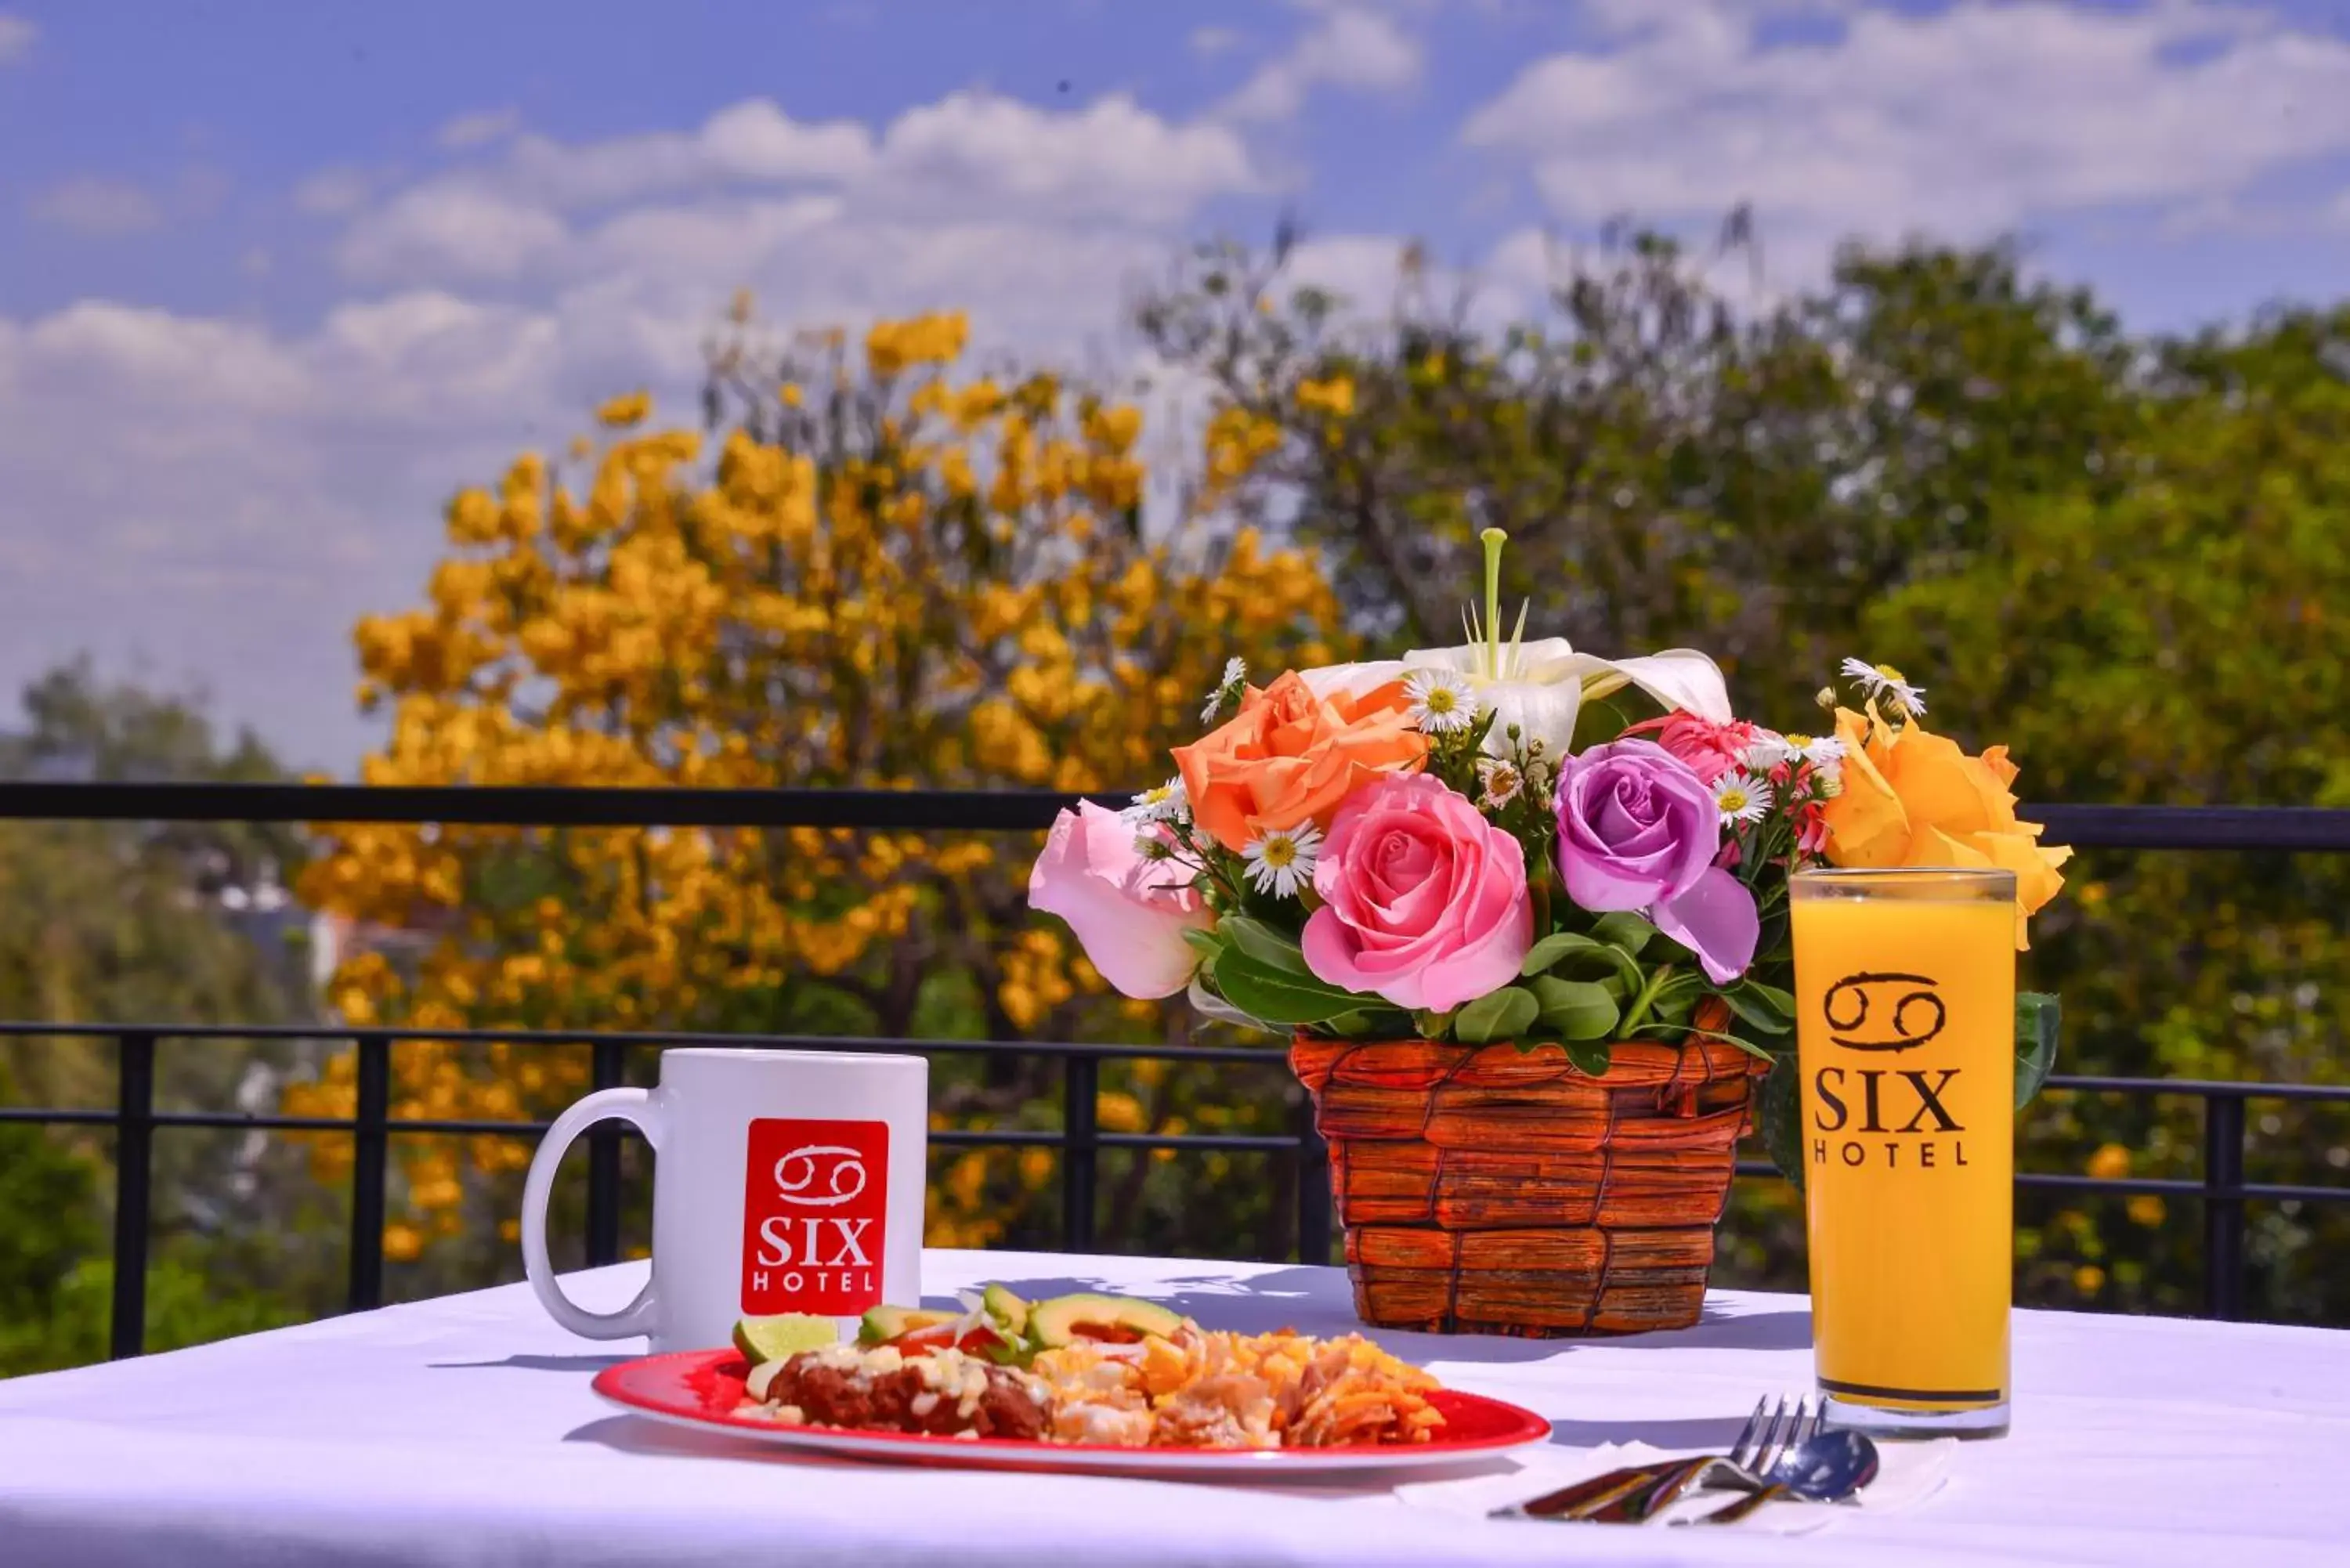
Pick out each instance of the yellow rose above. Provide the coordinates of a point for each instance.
(1913, 798)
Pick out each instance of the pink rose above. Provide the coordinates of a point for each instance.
(1130, 912)
(1424, 901)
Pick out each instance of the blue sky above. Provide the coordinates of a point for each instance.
(274, 279)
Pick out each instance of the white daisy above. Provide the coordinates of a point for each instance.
(1884, 680)
(1441, 702)
(1153, 845)
(1161, 803)
(1235, 676)
(1743, 797)
(1502, 781)
(1824, 753)
(1281, 863)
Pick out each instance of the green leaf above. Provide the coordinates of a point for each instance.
(1752, 1012)
(1624, 929)
(1262, 943)
(1591, 1056)
(1573, 947)
(1207, 944)
(1779, 1117)
(1372, 1024)
(2037, 1015)
(1576, 1009)
(1781, 1002)
(1671, 1000)
(1277, 996)
(1547, 952)
(1496, 1016)
(1208, 1004)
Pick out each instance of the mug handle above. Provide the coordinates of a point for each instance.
(634, 1105)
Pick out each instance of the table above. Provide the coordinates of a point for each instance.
(461, 1431)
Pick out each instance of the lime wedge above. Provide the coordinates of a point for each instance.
(778, 1339)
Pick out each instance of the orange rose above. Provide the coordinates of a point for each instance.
(1289, 756)
(1912, 798)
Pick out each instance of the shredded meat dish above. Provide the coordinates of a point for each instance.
(1193, 1389)
(946, 1394)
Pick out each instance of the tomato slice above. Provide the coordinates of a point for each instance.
(941, 1336)
(1103, 1333)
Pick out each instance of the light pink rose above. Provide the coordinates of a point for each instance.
(1130, 912)
(1424, 901)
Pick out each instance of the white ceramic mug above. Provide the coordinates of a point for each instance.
(783, 1182)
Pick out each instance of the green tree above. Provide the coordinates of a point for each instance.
(113, 922)
(2120, 555)
(1671, 469)
(2182, 642)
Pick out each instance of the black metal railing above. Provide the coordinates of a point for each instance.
(134, 1120)
(2220, 1187)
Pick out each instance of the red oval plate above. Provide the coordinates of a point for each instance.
(702, 1388)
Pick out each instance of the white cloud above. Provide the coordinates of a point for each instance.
(254, 493)
(1113, 159)
(1362, 270)
(1964, 120)
(1209, 42)
(451, 229)
(334, 192)
(564, 210)
(1346, 45)
(258, 489)
(754, 139)
(17, 36)
(482, 126)
(98, 206)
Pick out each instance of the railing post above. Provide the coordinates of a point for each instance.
(1080, 1150)
(604, 1164)
(2223, 1205)
(370, 1150)
(134, 1146)
(1312, 1188)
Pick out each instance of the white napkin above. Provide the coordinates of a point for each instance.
(1907, 1474)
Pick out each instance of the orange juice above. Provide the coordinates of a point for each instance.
(1905, 990)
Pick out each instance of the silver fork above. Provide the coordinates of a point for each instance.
(1769, 1433)
(1640, 1493)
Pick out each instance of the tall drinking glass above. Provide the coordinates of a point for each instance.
(1905, 992)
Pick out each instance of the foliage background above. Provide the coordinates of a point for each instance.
(877, 562)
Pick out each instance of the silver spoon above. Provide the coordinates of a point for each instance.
(1826, 1467)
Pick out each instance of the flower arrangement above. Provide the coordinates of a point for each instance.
(1513, 841)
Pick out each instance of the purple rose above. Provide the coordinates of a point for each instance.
(1637, 829)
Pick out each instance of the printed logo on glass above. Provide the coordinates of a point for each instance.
(815, 1213)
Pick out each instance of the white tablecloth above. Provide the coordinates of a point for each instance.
(461, 1431)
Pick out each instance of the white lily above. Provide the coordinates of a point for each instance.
(1540, 686)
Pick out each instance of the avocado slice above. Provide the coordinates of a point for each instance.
(1066, 1319)
(1008, 1310)
(782, 1336)
(884, 1324)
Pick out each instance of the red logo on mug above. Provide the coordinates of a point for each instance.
(814, 1212)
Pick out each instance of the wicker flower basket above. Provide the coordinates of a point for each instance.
(1489, 1190)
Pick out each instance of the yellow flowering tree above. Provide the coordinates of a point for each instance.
(892, 575)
